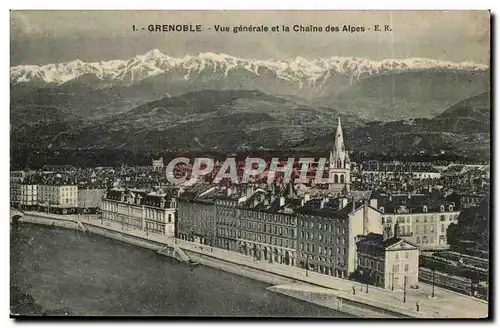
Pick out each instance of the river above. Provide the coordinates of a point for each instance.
(65, 271)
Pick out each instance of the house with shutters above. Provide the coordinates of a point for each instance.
(387, 260)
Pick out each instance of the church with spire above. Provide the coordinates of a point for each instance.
(340, 165)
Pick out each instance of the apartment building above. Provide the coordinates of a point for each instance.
(139, 210)
(62, 199)
(423, 219)
(387, 261)
(327, 232)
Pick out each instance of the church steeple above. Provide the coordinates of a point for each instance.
(339, 157)
(340, 164)
(339, 138)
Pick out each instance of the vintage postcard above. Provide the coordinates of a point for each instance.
(279, 164)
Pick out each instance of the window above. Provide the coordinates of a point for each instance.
(407, 267)
(397, 256)
(395, 268)
(407, 255)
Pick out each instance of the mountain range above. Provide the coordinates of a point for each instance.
(299, 70)
(386, 90)
(464, 128)
(204, 120)
(238, 120)
(222, 103)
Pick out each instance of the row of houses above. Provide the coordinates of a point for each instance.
(63, 199)
(321, 234)
(373, 237)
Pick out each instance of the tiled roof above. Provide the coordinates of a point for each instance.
(375, 240)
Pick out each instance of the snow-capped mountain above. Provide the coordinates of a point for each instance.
(298, 71)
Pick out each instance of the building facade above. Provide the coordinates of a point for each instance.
(89, 200)
(387, 261)
(261, 225)
(196, 216)
(29, 197)
(158, 164)
(422, 220)
(61, 199)
(327, 234)
(16, 179)
(139, 210)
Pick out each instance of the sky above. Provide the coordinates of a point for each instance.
(42, 37)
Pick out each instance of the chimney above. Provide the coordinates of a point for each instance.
(409, 195)
(396, 230)
(342, 202)
(430, 188)
(390, 197)
(353, 204)
(282, 201)
(386, 233)
(307, 197)
(229, 191)
(365, 217)
(373, 202)
(322, 203)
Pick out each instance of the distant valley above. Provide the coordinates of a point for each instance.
(214, 102)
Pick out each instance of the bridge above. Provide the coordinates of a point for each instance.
(15, 215)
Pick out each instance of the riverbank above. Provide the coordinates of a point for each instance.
(308, 286)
